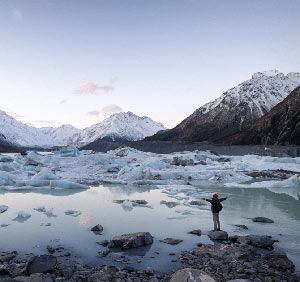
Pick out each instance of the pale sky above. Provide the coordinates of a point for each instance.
(78, 61)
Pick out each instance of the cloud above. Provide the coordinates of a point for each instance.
(91, 88)
(63, 101)
(93, 113)
(111, 109)
(105, 111)
(17, 15)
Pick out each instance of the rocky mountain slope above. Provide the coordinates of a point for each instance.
(234, 110)
(280, 126)
(123, 126)
(120, 126)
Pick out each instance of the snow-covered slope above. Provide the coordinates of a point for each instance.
(235, 109)
(124, 126)
(261, 93)
(62, 135)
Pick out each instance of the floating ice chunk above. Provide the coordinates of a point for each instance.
(64, 184)
(6, 178)
(4, 159)
(290, 186)
(127, 205)
(290, 182)
(46, 211)
(68, 152)
(45, 174)
(40, 209)
(73, 213)
(33, 155)
(22, 216)
(7, 168)
(3, 208)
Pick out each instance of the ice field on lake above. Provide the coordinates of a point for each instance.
(55, 198)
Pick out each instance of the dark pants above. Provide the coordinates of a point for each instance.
(216, 221)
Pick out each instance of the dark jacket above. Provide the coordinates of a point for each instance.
(216, 205)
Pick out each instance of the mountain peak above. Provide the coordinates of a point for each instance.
(235, 109)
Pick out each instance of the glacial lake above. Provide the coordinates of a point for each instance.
(97, 206)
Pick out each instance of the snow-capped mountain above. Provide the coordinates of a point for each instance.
(18, 133)
(126, 126)
(280, 126)
(120, 126)
(235, 109)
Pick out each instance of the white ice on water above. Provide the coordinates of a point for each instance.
(175, 173)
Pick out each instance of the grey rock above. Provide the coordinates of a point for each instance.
(171, 241)
(103, 243)
(7, 256)
(265, 242)
(183, 162)
(196, 232)
(191, 275)
(241, 226)
(131, 240)
(218, 235)
(42, 264)
(98, 229)
(262, 219)
(104, 253)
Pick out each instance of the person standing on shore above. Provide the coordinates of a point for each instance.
(216, 207)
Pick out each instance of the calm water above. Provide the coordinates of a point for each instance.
(96, 206)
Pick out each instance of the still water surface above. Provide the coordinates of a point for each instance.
(96, 206)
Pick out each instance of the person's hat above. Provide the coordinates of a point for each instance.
(215, 195)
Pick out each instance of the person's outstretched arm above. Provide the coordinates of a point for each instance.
(223, 199)
(207, 200)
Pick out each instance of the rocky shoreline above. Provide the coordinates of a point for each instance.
(228, 258)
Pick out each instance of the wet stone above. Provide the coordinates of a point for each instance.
(196, 232)
(218, 235)
(42, 264)
(171, 241)
(262, 219)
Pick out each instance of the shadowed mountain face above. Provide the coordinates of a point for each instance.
(280, 126)
(6, 146)
(235, 110)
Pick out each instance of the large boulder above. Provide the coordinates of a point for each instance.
(42, 264)
(265, 242)
(262, 219)
(191, 275)
(131, 240)
(218, 235)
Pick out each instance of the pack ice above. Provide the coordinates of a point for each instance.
(178, 172)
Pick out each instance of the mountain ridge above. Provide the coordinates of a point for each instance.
(116, 126)
(235, 109)
(280, 126)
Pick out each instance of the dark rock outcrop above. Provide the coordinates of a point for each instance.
(281, 126)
